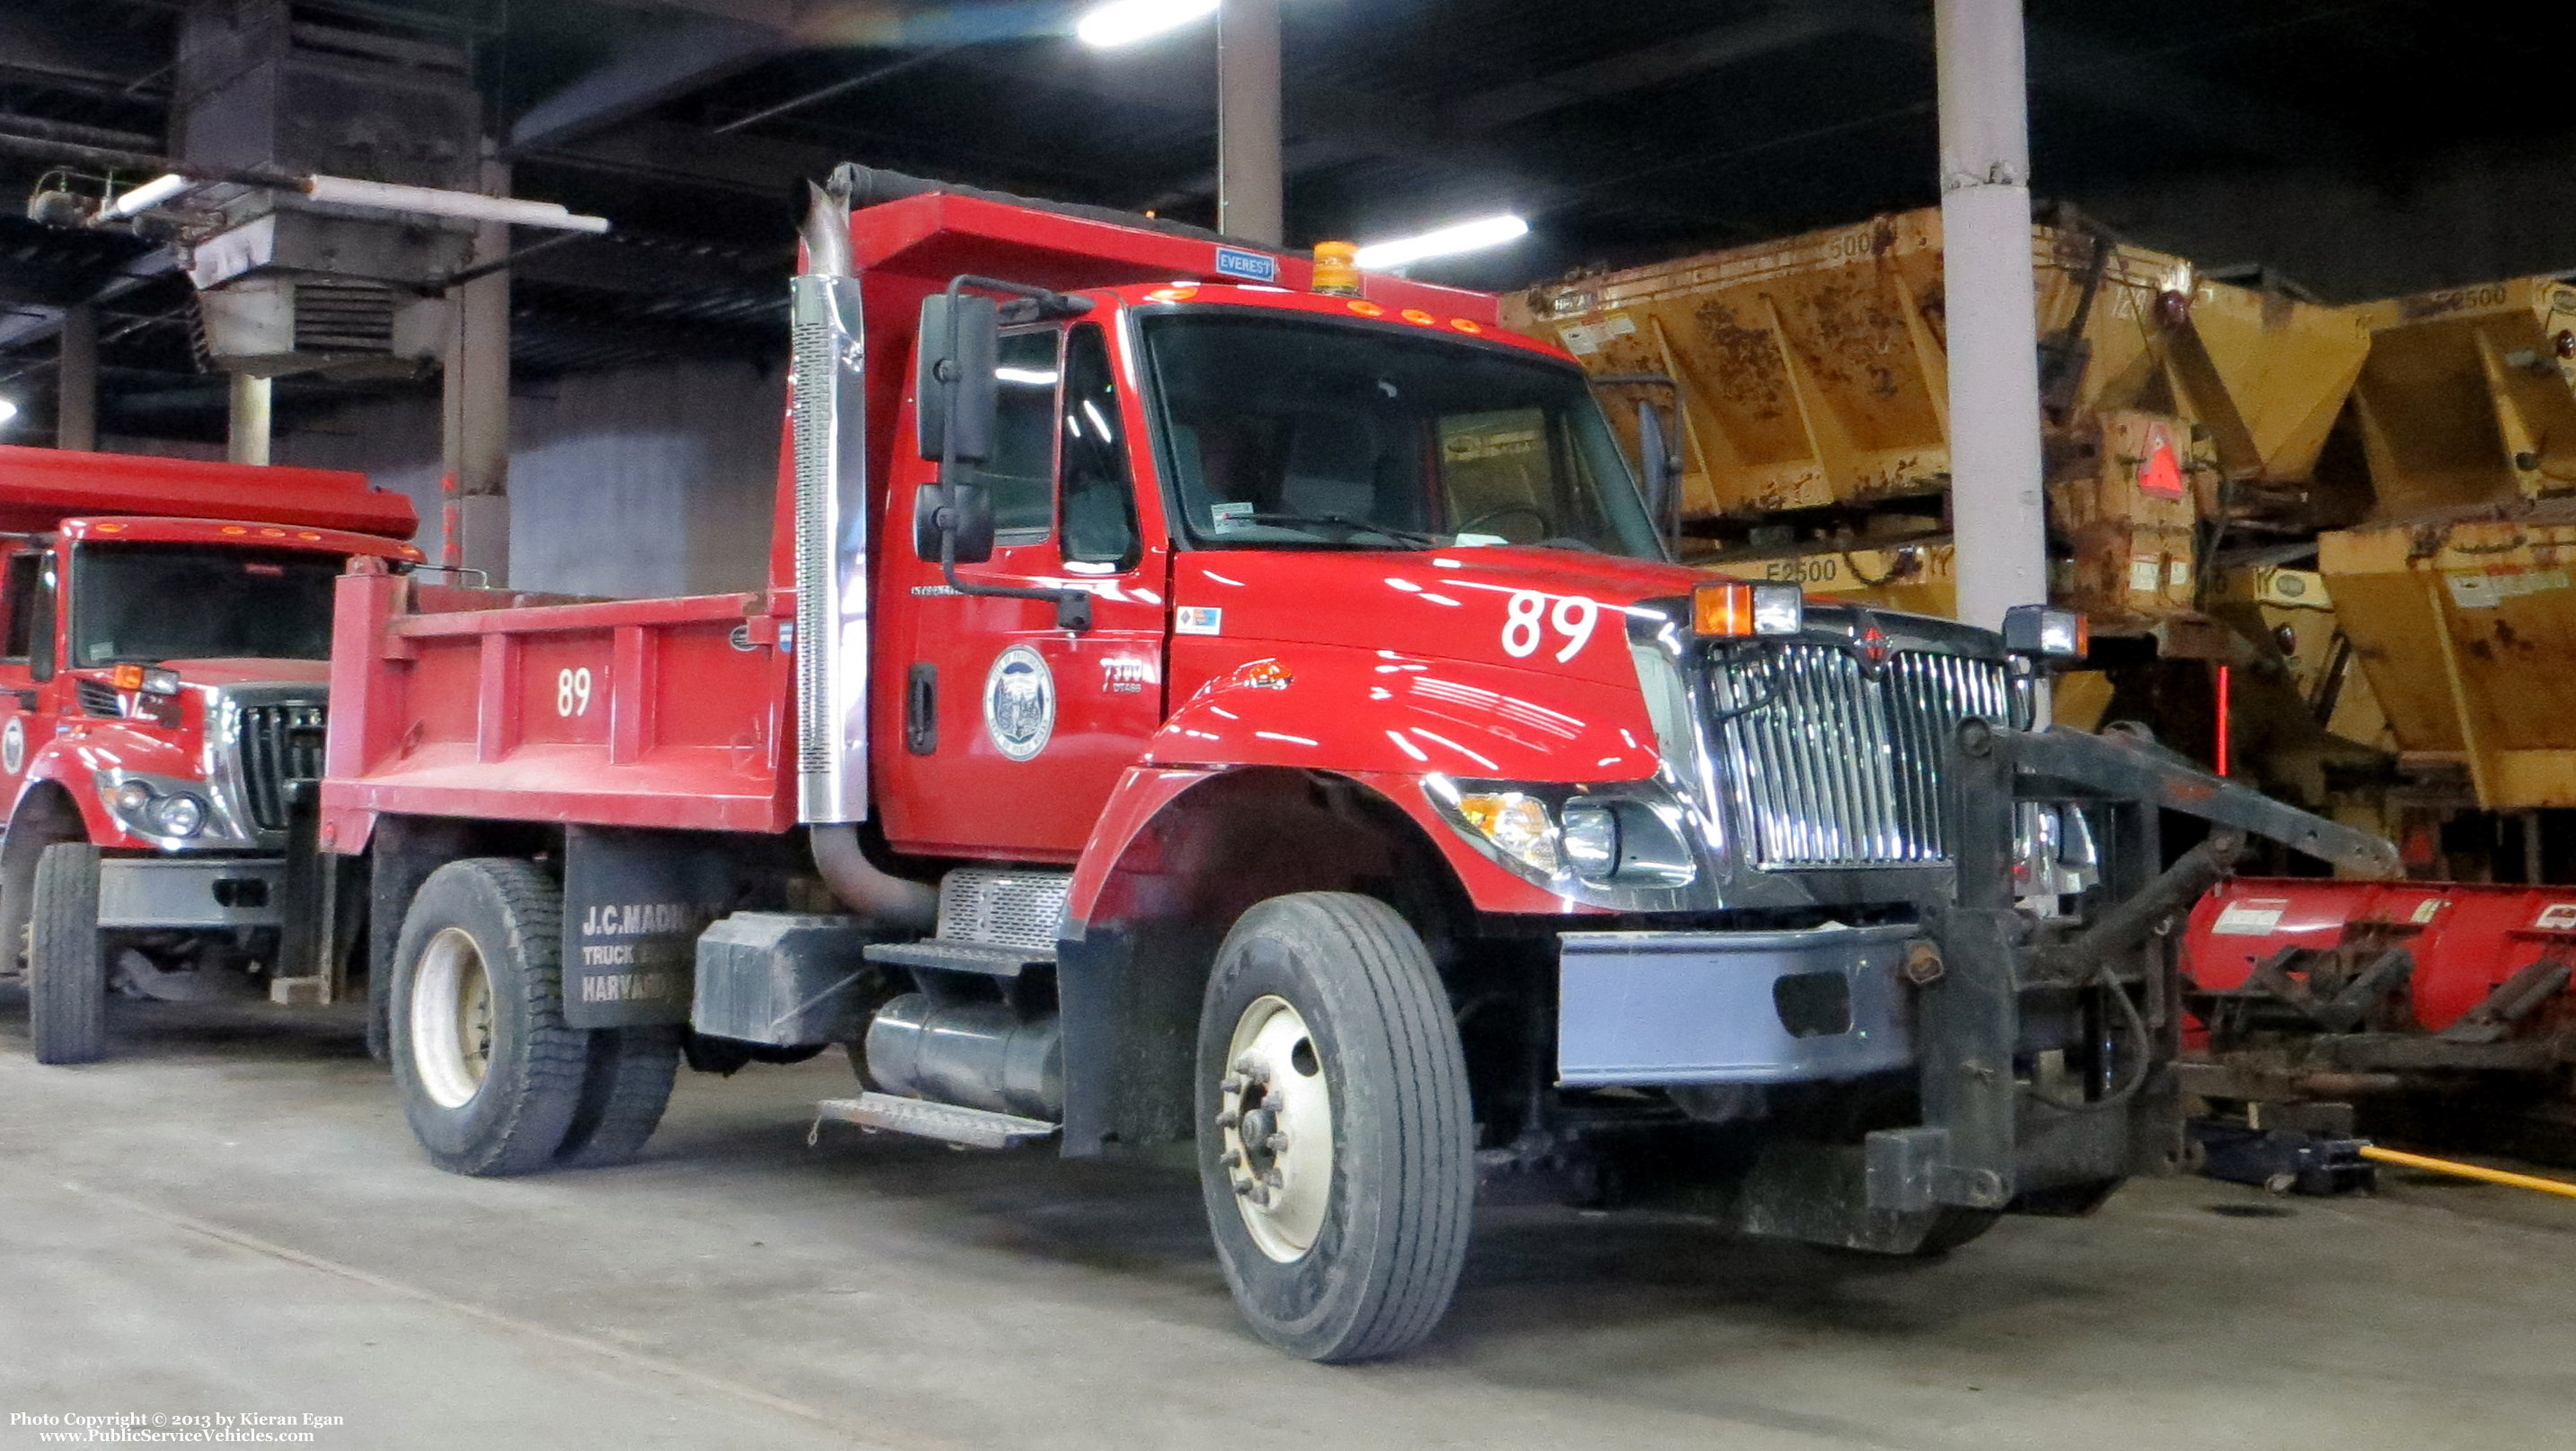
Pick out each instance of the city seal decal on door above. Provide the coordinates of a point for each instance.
(13, 746)
(1019, 702)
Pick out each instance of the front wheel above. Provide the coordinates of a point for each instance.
(1335, 1139)
(491, 1078)
(66, 970)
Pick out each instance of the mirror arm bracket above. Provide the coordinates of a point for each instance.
(1072, 606)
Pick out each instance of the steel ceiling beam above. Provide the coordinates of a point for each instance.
(656, 69)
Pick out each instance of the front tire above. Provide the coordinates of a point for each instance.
(491, 1078)
(1335, 1139)
(66, 970)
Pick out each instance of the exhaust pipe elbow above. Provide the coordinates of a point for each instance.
(883, 899)
(826, 230)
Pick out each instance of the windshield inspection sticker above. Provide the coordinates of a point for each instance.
(1198, 620)
(1227, 517)
(1019, 702)
(1249, 266)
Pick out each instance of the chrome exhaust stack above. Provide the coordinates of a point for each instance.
(829, 425)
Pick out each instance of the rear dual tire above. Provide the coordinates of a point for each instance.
(493, 1082)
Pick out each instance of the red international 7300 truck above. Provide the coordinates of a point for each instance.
(1189, 708)
(167, 628)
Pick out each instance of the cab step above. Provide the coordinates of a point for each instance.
(973, 1127)
(941, 954)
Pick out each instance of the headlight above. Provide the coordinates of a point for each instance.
(1515, 823)
(179, 814)
(1610, 840)
(132, 797)
(1591, 839)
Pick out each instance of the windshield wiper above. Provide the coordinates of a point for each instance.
(1414, 537)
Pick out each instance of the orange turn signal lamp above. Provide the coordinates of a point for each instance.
(1733, 611)
(149, 679)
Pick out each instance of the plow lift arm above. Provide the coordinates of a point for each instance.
(2123, 763)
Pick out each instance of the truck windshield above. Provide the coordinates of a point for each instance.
(145, 603)
(1294, 432)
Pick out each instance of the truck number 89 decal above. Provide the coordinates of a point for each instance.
(572, 692)
(1572, 616)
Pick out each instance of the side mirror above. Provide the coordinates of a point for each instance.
(1656, 458)
(959, 399)
(40, 640)
(964, 509)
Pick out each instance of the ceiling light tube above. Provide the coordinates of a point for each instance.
(1448, 241)
(431, 202)
(145, 197)
(1124, 22)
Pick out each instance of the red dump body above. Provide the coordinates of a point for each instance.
(2467, 938)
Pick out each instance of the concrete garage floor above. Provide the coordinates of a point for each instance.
(232, 1218)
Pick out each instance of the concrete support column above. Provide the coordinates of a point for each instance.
(475, 431)
(1250, 199)
(76, 380)
(246, 439)
(1995, 463)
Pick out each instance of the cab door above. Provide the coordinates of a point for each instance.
(1010, 732)
(26, 596)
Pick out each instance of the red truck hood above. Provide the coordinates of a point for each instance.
(1551, 610)
(252, 672)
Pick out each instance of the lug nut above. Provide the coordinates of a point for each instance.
(1243, 1188)
(1228, 1119)
(1276, 1143)
(1231, 1158)
(1275, 1179)
(1233, 1083)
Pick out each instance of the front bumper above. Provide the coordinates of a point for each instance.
(191, 891)
(1641, 1009)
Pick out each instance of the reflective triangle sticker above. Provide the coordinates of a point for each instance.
(2162, 475)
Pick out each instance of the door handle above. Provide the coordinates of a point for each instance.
(921, 710)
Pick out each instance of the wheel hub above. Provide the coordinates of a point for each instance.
(451, 1019)
(1275, 1112)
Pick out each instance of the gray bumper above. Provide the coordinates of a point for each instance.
(191, 891)
(1640, 1008)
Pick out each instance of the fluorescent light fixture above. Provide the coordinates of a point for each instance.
(1472, 236)
(1124, 22)
(8, 410)
(145, 197)
(431, 202)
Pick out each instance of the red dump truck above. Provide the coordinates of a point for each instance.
(167, 631)
(1192, 708)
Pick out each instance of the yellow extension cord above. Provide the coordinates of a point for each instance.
(2470, 1171)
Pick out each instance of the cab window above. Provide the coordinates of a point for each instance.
(18, 602)
(1020, 476)
(1099, 497)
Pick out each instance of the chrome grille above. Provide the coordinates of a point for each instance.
(1005, 909)
(278, 744)
(1836, 767)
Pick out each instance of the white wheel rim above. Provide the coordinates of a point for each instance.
(1275, 1108)
(451, 1018)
